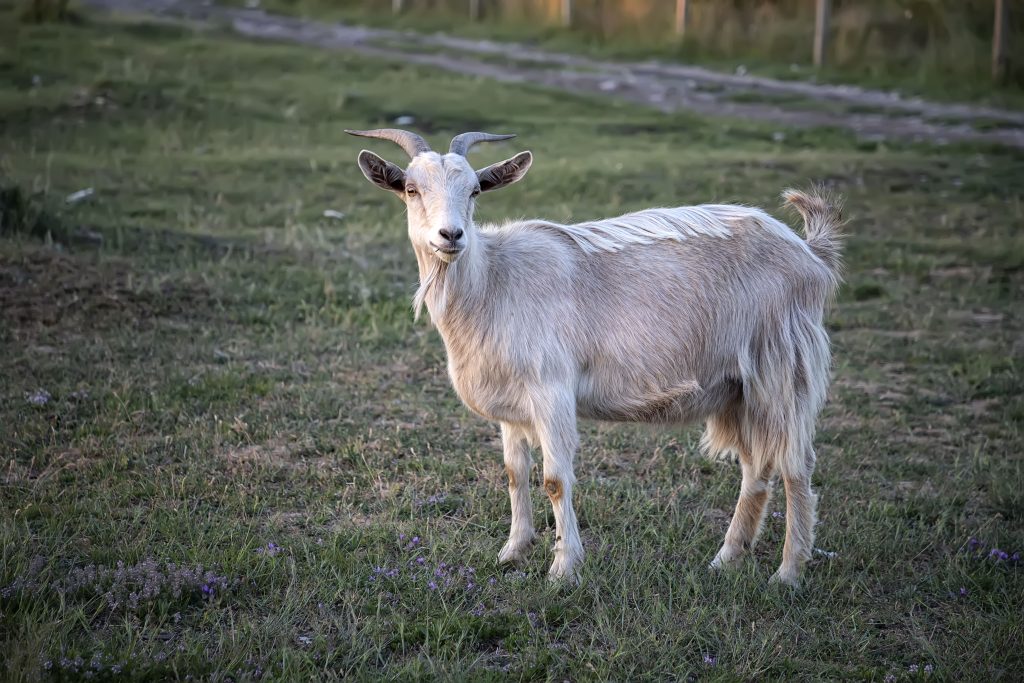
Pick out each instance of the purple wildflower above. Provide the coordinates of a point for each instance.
(998, 555)
(963, 591)
(912, 668)
(778, 515)
(710, 660)
(928, 669)
(130, 586)
(890, 678)
(39, 397)
(431, 585)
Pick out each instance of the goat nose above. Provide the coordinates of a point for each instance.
(451, 234)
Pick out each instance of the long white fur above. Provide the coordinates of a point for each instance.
(710, 312)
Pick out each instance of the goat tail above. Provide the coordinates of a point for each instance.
(822, 214)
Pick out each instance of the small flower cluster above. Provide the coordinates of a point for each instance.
(430, 576)
(39, 397)
(384, 571)
(515, 576)
(42, 397)
(710, 660)
(979, 550)
(914, 670)
(1003, 556)
(100, 665)
(413, 544)
(962, 593)
(418, 570)
(435, 499)
(272, 549)
(133, 585)
(448, 575)
(29, 583)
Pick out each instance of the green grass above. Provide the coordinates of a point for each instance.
(227, 368)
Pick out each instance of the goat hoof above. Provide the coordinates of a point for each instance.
(565, 568)
(790, 579)
(563, 576)
(725, 558)
(514, 552)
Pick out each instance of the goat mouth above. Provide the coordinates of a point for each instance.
(450, 251)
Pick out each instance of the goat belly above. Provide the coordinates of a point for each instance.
(679, 402)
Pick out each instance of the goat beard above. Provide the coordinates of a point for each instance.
(435, 278)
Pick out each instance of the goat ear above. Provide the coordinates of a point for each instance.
(381, 173)
(504, 172)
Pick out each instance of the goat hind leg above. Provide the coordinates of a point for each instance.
(749, 515)
(801, 504)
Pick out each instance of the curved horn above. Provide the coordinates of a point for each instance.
(412, 143)
(462, 143)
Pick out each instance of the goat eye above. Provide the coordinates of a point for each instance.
(410, 190)
(475, 193)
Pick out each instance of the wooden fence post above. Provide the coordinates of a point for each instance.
(823, 14)
(567, 13)
(1000, 43)
(397, 6)
(682, 9)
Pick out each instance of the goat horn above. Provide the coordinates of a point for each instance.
(412, 143)
(462, 143)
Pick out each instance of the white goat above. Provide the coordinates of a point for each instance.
(709, 312)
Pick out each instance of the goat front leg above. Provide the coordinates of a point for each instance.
(555, 425)
(517, 467)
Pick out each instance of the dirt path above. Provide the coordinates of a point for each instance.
(669, 87)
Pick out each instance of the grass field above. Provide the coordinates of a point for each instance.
(229, 453)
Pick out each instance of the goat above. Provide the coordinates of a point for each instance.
(710, 312)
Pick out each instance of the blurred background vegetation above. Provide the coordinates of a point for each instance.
(935, 45)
